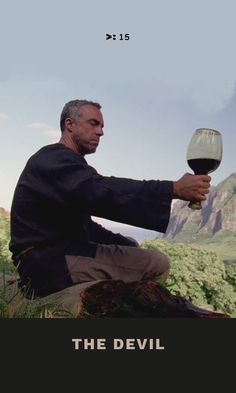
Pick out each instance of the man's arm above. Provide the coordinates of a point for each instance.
(99, 234)
(141, 203)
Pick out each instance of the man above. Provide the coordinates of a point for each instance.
(55, 243)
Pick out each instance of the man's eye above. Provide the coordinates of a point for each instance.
(93, 123)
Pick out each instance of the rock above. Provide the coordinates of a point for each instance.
(217, 215)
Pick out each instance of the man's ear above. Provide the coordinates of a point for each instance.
(69, 124)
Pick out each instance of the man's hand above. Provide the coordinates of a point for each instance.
(192, 187)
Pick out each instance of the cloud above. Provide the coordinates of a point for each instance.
(47, 130)
(52, 133)
(3, 116)
(41, 126)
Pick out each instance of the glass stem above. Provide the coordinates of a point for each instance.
(195, 205)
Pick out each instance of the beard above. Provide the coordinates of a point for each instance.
(87, 148)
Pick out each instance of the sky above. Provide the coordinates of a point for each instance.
(176, 73)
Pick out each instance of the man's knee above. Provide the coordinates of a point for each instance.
(159, 263)
(133, 242)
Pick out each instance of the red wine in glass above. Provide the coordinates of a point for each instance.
(203, 166)
(204, 154)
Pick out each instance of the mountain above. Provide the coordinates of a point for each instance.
(213, 227)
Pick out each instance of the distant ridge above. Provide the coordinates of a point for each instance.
(214, 225)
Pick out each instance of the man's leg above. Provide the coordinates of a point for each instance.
(118, 263)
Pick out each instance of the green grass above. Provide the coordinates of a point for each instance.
(223, 243)
(14, 305)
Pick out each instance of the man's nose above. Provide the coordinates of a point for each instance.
(100, 131)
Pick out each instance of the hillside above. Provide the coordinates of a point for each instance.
(213, 227)
(5, 256)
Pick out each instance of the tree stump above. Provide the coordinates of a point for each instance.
(114, 298)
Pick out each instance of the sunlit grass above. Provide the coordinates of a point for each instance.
(14, 305)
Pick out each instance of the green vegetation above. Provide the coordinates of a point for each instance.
(6, 265)
(199, 275)
(14, 305)
(231, 274)
(222, 243)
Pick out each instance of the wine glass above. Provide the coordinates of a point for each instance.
(204, 154)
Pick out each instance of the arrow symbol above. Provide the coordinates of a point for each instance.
(108, 36)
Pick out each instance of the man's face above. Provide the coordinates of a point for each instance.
(87, 129)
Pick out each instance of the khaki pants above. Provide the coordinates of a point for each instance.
(118, 263)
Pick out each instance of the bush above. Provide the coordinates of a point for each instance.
(6, 264)
(198, 275)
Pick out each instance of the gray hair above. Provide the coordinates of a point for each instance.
(72, 108)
